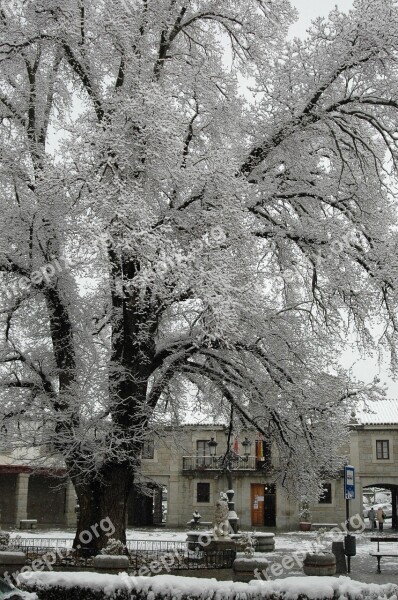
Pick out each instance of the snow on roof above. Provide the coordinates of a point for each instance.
(382, 412)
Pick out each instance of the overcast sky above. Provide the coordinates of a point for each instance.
(310, 9)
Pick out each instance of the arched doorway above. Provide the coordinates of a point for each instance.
(383, 492)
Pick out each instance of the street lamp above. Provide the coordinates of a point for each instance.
(226, 464)
(212, 446)
(246, 447)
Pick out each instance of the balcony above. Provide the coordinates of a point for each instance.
(213, 463)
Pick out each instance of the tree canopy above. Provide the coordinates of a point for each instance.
(191, 202)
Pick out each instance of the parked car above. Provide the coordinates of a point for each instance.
(387, 509)
(7, 592)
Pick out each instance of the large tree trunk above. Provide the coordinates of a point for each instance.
(103, 508)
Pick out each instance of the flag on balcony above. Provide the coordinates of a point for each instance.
(236, 445)
(259, 447)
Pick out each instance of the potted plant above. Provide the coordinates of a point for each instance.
(320, 562)
(113, 558)
(305, 516)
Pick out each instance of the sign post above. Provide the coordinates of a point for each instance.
(349, 494)
(349, 482)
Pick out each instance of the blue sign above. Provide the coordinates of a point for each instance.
(349, 482)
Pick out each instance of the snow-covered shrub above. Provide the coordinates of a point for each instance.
(93, 586)
(114, 548)
(4, 540)
(246, 543)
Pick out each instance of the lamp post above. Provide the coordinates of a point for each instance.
(246, 448)
(226, 464)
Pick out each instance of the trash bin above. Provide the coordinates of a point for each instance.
(350, 545)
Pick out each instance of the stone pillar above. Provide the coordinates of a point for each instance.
(232, 516)
(70, 505)
(21, 497)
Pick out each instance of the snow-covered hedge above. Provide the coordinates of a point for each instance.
(94, 586)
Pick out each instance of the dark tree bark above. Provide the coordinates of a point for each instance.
(103, 507)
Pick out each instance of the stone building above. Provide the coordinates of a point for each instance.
(374, 450)
(178, 467)
(181, 462)
(43, 493)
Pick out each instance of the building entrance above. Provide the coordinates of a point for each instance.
(263, 505)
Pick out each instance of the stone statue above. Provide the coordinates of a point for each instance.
(221, 524)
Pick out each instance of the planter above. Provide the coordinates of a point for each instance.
(243, 568)
(198, 539)
(320, 564)
(304, 526)
(265, 542)
(224, 546)
(11, 561)
(111, 563)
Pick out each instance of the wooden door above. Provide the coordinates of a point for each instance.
(257, 503)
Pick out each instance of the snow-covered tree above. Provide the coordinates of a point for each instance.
(189, 202)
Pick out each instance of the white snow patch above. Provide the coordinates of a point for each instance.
(176, 587)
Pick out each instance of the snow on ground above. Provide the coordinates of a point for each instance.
(156, 533)
(285, 542)
(294, 543)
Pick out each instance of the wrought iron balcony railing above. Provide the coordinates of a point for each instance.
(214, 463)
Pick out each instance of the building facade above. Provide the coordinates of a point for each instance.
(181, 468)
(182, 463)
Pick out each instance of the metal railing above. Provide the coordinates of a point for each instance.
(209, 463)
(154, 556)
(19, 543)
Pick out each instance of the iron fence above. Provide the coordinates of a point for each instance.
(151, 556)
(19, 543)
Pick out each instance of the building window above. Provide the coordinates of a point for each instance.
(202, 453)
(382, 449)
(202, 448)
(326, 497)
(203, 492)
(148, 449)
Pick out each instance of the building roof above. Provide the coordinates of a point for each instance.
(382, 412)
